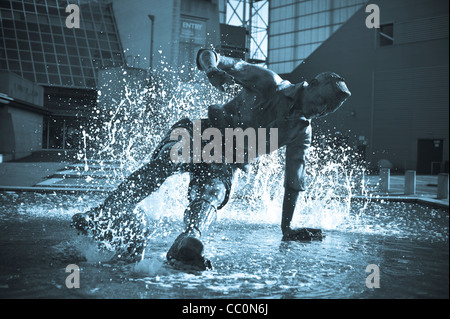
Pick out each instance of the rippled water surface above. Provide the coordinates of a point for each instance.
(408, 242)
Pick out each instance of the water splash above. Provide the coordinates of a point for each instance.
(334, 177)
(126, 131)
(126, 127)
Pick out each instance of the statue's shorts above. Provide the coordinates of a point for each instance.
(201, 173)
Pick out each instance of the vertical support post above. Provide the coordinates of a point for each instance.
(442, 192)
(410, 182)
(152, 20)
(360, 181)
(384, 182)
(64, 135)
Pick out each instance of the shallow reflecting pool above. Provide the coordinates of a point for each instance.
(407, 242)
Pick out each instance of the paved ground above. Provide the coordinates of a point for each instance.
(93, 176)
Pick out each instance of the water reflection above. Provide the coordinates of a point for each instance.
(408, 242)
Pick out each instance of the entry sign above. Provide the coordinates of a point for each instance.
(193, 31)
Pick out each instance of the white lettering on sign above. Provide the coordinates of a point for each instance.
(191, 25)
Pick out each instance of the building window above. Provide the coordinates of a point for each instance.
(386, 35)
(33, 32)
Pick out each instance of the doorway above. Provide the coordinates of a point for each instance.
(429, 156)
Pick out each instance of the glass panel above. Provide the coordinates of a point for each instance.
(78, 81)
(57, 30)
(115, 46)
(27, 67)
(66, 80)
(12, 54)
(108, 63)
(33, 26)
(106, 55)
(55, 133)
(62, 59)
(41, 9)
(14, 65)
(25, 55)
(64, 69)
(11, 44)
(34, 36)
(55, 21)
(52, 68)
(83, 51)
(29, 76)
(48, 48)
(9, 33)
(102, 36)
(8, 24)
(90, 82)
(85, 62)
(88, 72)
(24, 46)
(40, 67)
(17, 6)
(29, 7)
(50, 58)
(386, 34)
(90, 34)
(68, 32)
(54, 79)
(104, 45)
(20, 25)
(59, 39)
(5, 4)
(117, 57)
(81, 42)
(76, 71)
(74, 60)
(42, 25)
(22, 35)
(41, 78)
(38, 57)
(72, 50)
(70, 41)
(109, 27)
(54, 11)
(60, 49)
(46, 37)
(36, 46)
(74, 136)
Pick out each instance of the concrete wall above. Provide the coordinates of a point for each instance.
(20, 132)
(399, 92)
(20, 88)
(135, 28)
(20, 128)
(7, 142)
